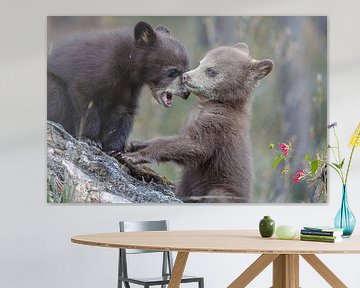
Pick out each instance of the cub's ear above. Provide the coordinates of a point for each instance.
(144, 34)
(162, 29)
(261, 68)
(242, 47)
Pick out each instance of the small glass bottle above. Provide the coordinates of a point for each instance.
(266, 226)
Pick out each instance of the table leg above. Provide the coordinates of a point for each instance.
(286, 271)
(178, 270)
(324, 271)
(253, 270)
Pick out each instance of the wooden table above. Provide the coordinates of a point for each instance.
(284, 254)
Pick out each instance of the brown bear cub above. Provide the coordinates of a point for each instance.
(214, 147)
(94, 81)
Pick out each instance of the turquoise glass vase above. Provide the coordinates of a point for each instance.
(345, 219)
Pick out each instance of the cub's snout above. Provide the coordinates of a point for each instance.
(187, 89)
(186, 77)
(186, 95)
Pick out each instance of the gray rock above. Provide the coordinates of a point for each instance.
(79, 173)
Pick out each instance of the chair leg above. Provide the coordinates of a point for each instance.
(119, 270)
(201, 283)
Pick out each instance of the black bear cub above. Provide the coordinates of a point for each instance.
(94, 81)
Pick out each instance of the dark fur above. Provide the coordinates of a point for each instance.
(94, 80)
(214, 147)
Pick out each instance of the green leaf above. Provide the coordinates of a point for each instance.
(307, 157)
(341, 164)
(314, 166)
(336, 165)
(277, 161)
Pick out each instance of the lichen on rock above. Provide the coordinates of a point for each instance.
(79, 173)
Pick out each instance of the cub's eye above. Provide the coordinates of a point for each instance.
(173, 73)
(211, 72)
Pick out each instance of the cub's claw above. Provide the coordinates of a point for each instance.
(135, 158)
(92, 142)
(118, 155)
(135, 146)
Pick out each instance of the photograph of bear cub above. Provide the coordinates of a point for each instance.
(199, 103)
(95, 80)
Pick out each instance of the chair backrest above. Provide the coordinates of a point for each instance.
(134, 226)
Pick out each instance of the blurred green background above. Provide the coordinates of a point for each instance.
(289, 104)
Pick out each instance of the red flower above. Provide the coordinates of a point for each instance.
(299, 175)
(284, 148)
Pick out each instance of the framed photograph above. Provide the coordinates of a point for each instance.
(198, 109)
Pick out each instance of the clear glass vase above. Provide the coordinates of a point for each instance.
(345, 219)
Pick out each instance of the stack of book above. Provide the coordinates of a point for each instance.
(321, 234)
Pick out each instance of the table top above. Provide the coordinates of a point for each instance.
(217, 241)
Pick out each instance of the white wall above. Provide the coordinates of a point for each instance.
(35, 248)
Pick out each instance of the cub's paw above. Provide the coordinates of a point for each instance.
(92, 142)
(118, 155)
(135, 158)
(135, 146)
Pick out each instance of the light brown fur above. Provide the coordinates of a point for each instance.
(214, 147)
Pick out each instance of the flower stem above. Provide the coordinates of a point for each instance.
(337, 142)
(339, 162)
(334, 154)
(351, 155)
(348, 168)
(335, 168)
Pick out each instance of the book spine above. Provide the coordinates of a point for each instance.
(318, 239)
(319, 236)
(320, 233)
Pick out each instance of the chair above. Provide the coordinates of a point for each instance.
(167, 262)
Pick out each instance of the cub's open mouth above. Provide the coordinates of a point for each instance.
(166, 99)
